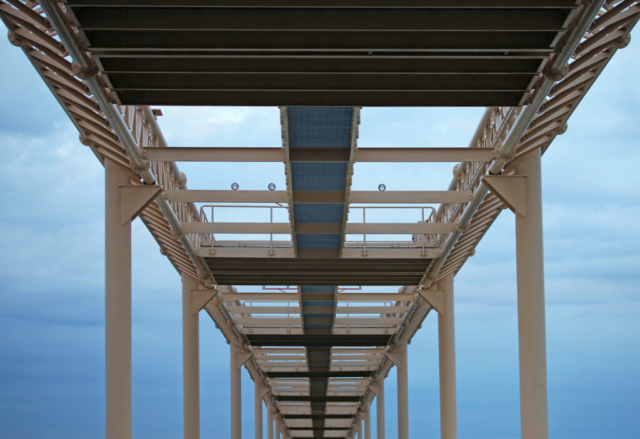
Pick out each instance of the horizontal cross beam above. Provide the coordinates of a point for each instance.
(319, 197)
(319, 228)
(277, 155)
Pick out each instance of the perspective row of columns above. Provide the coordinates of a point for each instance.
(531, 330)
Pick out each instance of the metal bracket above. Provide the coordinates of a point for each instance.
(242, 357)
(375, 388)
(395, 359)
(435, 299)
(262, 391)
(510, 189)
(200, 298)
(134, 199)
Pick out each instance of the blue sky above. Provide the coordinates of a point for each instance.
(52, 276)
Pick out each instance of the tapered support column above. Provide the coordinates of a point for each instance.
(190, 361)
(367, 422)
(403, 394)
(278, 428)
(380, 424)
(235, 381)
(531, 307)
(257, 409)
(117, 307)
(447, 351)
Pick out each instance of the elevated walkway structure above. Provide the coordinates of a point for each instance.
(317, 346)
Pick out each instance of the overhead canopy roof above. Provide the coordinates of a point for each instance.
(322, 53)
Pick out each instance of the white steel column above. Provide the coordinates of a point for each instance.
(367, 422)
(403, 394)
(531, 307)
(190, 361)
(361, 427)
(117, 307)
(447, 351)
(235, 381)
(257, 409)
(380, 425)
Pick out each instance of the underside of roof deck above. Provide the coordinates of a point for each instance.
(322, 53)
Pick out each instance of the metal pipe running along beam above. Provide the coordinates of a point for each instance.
(553, 73)
(276, 155)
(88, 69)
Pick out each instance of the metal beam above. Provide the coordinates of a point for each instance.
(370, 155)
(398, 228)
(424, 155)
(217, 196)
(320, 228)
(375, 297)
(317, 197)
(238, 228)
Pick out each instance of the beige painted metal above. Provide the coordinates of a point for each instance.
(375, 297)
(134, 199)
(398, 228)
(271, 423)
(219, 196)
(248, 252)
(264, 309)
(320, 228)
(436, 299)
(348, 253)
(235, 381)
(367, 421)
(239, 228)
(221, 154)
(258, 390)
(423, 155)
(403, 393)
(409, 197)
(510, 189)
(117, 307)
(190, 361)
(380, 418)
(355, 197)
(447, 356)
(200, 298)
(390, 253)
(531, 305)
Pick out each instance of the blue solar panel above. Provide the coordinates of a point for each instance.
(318, 213)
(318, 241)
(320, 127)
(318, 289)
(317, 326)
(317, 303)
(310, 176)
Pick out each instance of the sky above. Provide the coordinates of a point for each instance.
(52, 272)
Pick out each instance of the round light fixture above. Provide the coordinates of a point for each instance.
(272, 186)
(235, 186)
(382, 188)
